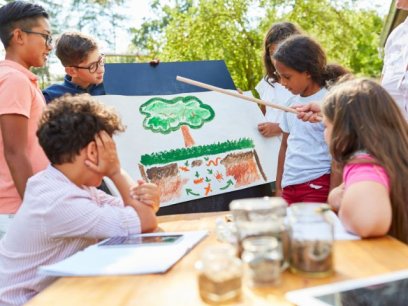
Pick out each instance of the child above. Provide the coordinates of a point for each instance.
(368, 136)
(269, 88)
(84, 65)
(304, 163)
(62, 212)
(26, 35)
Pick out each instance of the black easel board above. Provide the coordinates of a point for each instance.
(145, 80)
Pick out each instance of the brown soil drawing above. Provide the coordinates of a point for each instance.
(244, 167)
(168, 179)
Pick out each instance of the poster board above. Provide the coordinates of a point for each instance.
(144, 79)
(194, 145)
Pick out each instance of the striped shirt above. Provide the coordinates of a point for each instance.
(56, 219)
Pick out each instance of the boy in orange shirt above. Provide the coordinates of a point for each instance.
(26, 35)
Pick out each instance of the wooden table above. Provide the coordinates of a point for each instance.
(353, 259)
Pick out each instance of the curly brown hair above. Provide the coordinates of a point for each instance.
(70, 123)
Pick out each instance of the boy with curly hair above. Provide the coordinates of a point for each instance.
(62, 211)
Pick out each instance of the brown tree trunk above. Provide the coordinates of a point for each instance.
(188, 139)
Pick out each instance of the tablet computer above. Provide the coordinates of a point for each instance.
(386, 289)
(141, 240)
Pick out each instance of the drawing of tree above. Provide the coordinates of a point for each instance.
(165, 116)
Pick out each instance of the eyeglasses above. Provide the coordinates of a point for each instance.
(47, 37)
(93, 67)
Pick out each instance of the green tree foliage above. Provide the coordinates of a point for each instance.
(349, 37)
(165, 116)
(228, 30)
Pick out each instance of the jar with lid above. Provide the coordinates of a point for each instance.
(311, 238)
(261, 217)
(219, 275)
(262, 259)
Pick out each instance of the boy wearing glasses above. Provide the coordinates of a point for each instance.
(26, 35)
(83, 63)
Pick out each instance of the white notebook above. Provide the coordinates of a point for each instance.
(96, 260)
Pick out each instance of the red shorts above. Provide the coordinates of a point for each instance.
(316, 190)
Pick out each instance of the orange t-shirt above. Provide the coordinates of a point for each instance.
(19, 94)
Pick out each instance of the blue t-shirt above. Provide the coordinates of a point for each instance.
(68, 87)
(307, 155)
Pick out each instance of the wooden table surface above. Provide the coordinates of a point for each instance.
(353, 259)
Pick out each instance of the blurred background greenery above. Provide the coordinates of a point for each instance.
(230, 30)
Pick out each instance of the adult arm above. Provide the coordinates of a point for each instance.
(14, 130)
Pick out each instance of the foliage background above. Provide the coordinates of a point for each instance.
(231, 30)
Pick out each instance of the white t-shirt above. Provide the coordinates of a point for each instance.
(307, 155)
(395, 74)
(276, 94)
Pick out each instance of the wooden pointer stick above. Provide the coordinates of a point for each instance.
(235, 94)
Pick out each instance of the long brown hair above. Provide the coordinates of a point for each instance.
(276, 34)
(366, 118)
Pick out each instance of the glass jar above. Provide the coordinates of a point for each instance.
(262, 257)
(261, 217)
(311, 239)
(219, 275)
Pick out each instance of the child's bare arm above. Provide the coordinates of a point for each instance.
(366, 209)
(335, 175)
(281, 162)
(14, 132)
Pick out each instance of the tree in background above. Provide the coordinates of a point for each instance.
(210, 30)
(214, 29)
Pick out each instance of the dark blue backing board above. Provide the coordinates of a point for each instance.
(145, 79)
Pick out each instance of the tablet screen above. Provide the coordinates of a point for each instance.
(393, 293)
(382, 290)
(139, 240)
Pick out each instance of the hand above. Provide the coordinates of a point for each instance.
(146, 193)
(309, 113)
(335, 197)
(269, 129)
(108, 162)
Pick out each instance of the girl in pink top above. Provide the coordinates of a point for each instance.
(368, 137)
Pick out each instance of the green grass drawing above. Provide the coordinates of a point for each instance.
(169, 156)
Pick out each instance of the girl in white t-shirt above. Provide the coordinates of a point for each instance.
(304, 163)
(269, 88)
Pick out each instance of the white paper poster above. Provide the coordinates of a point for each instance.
(194, 145)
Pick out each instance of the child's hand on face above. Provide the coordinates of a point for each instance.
(108, 161)
(147, 193)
